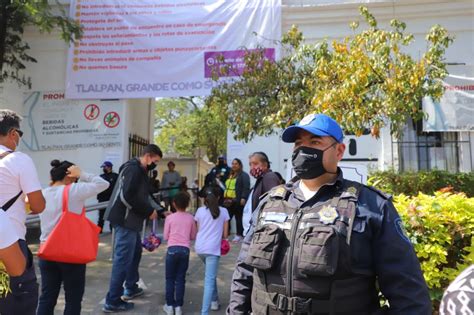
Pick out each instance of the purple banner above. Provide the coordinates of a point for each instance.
(232, 62)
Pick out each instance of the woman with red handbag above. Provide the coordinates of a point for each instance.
(64, 194)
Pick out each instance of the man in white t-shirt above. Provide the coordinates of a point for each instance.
(10, 252)
(18, 179)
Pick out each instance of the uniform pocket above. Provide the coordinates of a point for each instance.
(264, 247)
(359, 225)
(318, 251)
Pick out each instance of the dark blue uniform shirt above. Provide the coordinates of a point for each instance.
(379, 247)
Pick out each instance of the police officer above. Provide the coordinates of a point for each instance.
(110, 176)
(323, 244)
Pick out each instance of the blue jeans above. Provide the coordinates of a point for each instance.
(127, 256)
(72, 276)
(210, 284)
(177, 262)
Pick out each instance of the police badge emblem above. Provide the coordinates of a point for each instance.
(352, 190)
(307, 120)
(328, 215)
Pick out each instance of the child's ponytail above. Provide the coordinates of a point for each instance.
(212, 201)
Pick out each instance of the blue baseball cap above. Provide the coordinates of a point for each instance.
(317, 124)
(107, 163)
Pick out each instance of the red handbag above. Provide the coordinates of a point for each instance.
(75, 239)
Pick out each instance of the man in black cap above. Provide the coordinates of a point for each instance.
(111, 177)
(322, 244)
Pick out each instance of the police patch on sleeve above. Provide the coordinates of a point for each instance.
(401, 230)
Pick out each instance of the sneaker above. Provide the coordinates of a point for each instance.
(236, 239)
(178, 310)
(215, 305)
(131, 294)
(121, 307)
(169, 310)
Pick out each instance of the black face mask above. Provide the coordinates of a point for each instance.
(151, 166)
(308, 162)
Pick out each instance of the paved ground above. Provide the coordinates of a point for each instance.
(152, 273)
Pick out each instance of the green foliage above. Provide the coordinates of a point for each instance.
(441, 228)
(427, 182)
(364, 80)
(190, 125)
(15, 15)
(4, 281)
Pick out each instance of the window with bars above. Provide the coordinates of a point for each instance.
(418, 150)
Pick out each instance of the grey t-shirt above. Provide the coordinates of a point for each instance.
(169, 180)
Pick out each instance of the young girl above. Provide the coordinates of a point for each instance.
(180, 229)
(53, 274)
(212, 226)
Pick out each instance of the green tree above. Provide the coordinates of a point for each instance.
(363, 81)
(187, 124)
(15, 15)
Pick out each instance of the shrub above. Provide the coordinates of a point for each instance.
(4, 281)
(441, 228)
(427, 182)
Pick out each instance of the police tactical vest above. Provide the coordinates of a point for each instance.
(301, 257)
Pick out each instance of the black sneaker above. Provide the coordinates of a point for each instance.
(131, 294)
(121, 307)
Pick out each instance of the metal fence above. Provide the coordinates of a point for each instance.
(136, 145)
(33, 219)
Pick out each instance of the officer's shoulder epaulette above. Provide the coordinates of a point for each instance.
(277, 192)
(379, 192)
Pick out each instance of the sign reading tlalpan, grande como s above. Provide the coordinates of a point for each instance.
(151, 48)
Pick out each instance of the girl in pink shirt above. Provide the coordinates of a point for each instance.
(180, 229)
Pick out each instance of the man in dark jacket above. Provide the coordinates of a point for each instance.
(130, 206)
(110, 176)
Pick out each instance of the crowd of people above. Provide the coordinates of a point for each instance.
(319, 244)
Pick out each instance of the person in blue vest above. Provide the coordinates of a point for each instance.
(322, 244)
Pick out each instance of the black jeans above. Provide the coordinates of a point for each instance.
(73, 277)
(24, 296)
(237, 210)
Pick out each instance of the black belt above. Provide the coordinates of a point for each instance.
(285, 303)
(295, 304)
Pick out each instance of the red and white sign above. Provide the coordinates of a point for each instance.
(455, 109)
(91, 112)
(111, 119)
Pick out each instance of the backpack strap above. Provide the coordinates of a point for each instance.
(346, 203)
(10, 202)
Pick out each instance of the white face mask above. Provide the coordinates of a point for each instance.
(17, 144)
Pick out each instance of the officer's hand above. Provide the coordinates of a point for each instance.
(154, 215)
(242, 202)
(167, 213)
